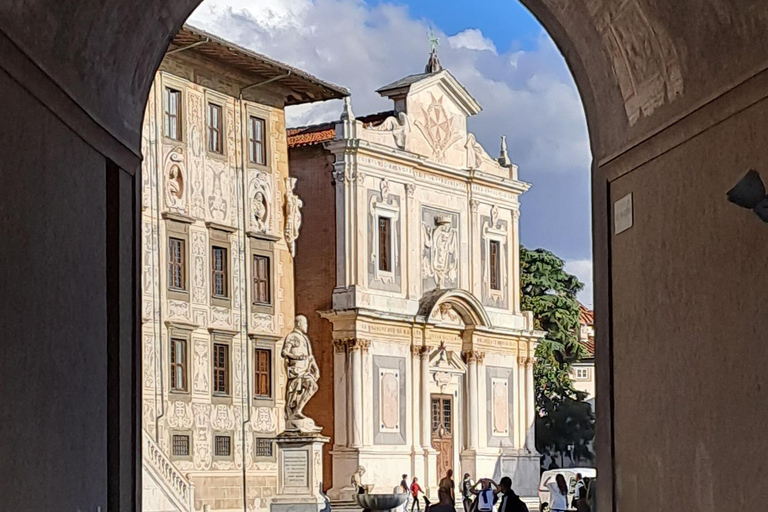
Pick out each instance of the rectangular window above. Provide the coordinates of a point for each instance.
(222, 446)
(385, 244)
(263, 373)
(180, 445)
(582, 373)
(172, 108)
(219, 272)
(495, 263)
(263, 447)
(176, 264)
(220, 369)
(178, 364)
(256, 136)
(261, 280)
(215, 132)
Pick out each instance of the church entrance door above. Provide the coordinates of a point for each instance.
(442, 432)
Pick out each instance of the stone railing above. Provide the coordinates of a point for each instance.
(178, 488)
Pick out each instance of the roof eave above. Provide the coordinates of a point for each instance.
(316, 89)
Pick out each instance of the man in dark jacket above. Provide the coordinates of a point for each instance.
(510, 502)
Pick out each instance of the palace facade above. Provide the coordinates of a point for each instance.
(220, 219)
(408, 269)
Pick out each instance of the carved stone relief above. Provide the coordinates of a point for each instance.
(148, 361)
(195, 143)
(440, 249)
(217, 202)
(264, 420)
(200, 379)
(220, 316)
(261, 322)
(645, 59)
(199, 252)
(178, 309)
(438, 127)
(179, 416)
(202, 454)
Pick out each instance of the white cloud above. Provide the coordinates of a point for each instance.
(583, 270)
(471, 39)
(528, 95)
(534, 102)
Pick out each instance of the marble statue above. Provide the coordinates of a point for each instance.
(293, 206)
(302, 372)
(174, 188)
(357, 481)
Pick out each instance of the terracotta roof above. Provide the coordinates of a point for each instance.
(304, 87)
(586, 316)
(324, 132)
(589, 344)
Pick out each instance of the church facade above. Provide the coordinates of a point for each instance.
(410, 256)
(219, 219)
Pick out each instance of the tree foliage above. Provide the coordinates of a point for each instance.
(564, 418)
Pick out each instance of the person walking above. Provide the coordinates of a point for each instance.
(403, 489)
(580, 494)
(510, 501)
(447, 483)
(415, 490)
(466, 492)
(558, 494)
(445, 503)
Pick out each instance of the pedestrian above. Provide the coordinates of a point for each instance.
(580, 494)
(415, 490)
(486, 495)
(445, 503)
(447, 483)
(404, 490)
(466, 492)
(558, 494)
(510, 501)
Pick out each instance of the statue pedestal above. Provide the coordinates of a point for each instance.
(300, 472)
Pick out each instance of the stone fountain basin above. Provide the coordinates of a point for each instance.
(380, 501)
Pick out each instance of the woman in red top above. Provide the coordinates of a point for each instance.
(415, 490)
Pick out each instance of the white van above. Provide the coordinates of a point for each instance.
(570, 479)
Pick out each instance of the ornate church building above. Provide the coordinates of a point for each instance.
(409, 252)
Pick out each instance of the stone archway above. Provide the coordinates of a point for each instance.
(675, 102)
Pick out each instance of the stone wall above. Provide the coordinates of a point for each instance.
(316, 271)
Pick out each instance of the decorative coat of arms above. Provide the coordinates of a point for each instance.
(437, 127)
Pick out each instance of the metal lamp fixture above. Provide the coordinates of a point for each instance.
(749, 193)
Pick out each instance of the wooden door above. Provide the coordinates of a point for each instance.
(442, 432)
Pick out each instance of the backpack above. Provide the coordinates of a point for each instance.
(485, 500)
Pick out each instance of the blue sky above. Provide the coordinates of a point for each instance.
(494, 47)
(506, 22)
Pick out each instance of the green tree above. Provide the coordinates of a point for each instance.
(564, 419)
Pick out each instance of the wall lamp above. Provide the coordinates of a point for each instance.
(749, 193)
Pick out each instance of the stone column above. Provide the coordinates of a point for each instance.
(522, 393)
(356, 387)
(426, 405)
(472, 399)
(530, 413)
(415, 398)
(341, 416)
